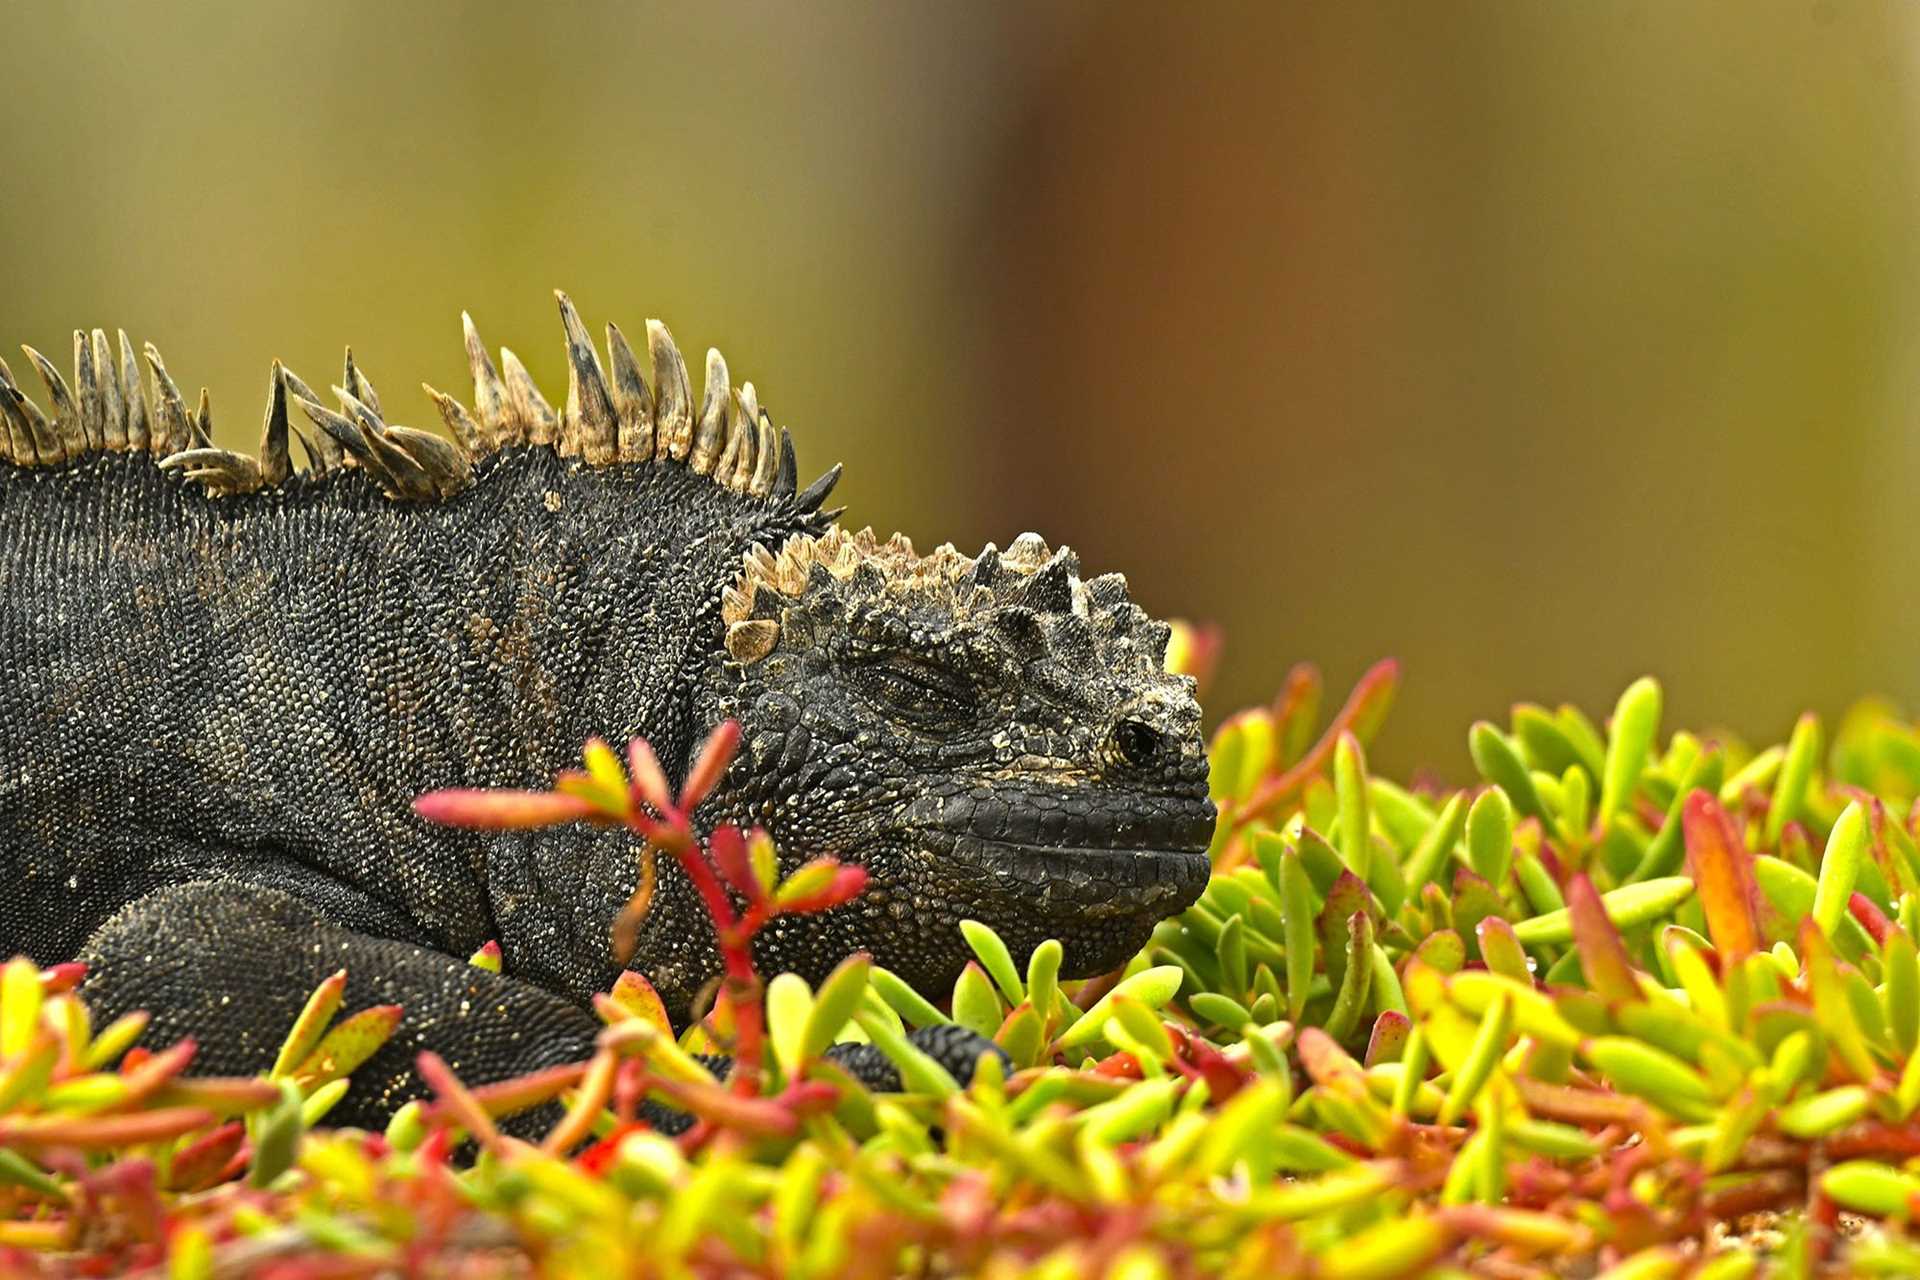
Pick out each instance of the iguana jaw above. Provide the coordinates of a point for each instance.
(1099, 883)
(1058, 849)
(1096, 881)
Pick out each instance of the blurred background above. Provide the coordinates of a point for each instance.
(1539, 345)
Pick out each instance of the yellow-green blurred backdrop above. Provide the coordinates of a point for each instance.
(1537, 344)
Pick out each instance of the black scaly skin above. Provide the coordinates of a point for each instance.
(218, 709)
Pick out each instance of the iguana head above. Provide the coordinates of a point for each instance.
(990, 737)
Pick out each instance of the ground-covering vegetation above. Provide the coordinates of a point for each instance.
(1630, 1003)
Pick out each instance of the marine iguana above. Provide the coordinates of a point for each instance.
(225, 680)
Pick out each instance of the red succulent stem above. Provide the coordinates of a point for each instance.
(674, 833)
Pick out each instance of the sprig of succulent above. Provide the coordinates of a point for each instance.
(1626, 1004)
(1682, 975)
(639, 798)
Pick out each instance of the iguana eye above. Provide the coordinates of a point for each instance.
(918, 692)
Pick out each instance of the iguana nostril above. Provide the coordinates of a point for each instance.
(1138, 742)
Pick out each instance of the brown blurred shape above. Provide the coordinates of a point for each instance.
(1540, 346)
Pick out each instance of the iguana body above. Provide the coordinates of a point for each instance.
(223, 690)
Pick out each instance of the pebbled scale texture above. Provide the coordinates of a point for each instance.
(227, 677)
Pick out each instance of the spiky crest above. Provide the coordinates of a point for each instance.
(604, 422)
(1032, 593)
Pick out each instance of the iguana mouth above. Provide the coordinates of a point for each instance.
(1095, 883)
(1064, 854)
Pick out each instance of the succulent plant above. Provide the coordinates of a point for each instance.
(1623, 1005)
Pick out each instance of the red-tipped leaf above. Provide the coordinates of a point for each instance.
(457, 1103)
(501, 810)
(156, 1125)
(1723, 870)
(649, 779)
(1389, 1038)
(820, 886)
(56, 978)
(348, 1044)
(711, 764)
(634, 997)
(595, 1091)
(1871, 917)
(521, 1093)
(749, 1116)
(202, 1162)
(729, 850)
(156, 1070)
(1603, 955)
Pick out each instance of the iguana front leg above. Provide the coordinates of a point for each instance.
(231, 964)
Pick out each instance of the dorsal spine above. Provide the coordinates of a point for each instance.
(606, 420)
